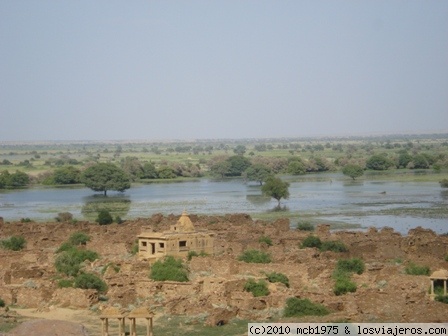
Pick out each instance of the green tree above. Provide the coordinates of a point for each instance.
(149, 171)
(239, 150)
(403, 159)
(131, 165)
(353, 171)
(220, 168)
(379, 162)
(258, 172)
(420, 162)
(238, 164)
(166, 172)
(276, 188)
(104, 177)
(296, 167)
(66, 175)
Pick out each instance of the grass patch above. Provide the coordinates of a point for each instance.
(255, 256)
(414, 269)
(305, 226)
(333, 245)
(311, 241)
(303, 307)
(14, 243)
(348, 266)
(192, 254)
(265, 239)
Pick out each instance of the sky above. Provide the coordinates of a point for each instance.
(217, 69)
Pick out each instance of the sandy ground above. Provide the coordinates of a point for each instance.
(87, 318)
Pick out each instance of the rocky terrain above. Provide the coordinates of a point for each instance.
(215, 293)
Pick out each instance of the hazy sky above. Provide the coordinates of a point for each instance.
(98, 70)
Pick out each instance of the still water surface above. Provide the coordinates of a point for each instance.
(327, 199)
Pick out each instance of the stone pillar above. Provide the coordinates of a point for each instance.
(444, 287)
(432, 290)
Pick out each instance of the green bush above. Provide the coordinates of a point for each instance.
(257, 288)
(255, 256)
(90, 281)
(69, 262)
(442, 298)
(335, 246)
(278, 277)
(2, 303)
(65, 283)
(414, 269)
(444, 183)
(25, 220)
(134, 248)
(14, 243)
(311, 241)
(79, 238)
(344, 285)
(168, 269)
(302, 307)
(104, 217)
(354, 265)
(118, 220)
(265, 239)
(65, 247)
(305, 226)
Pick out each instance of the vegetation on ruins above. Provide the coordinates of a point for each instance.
(192, 254)
(14, 243)
(2, 302)
(278, 277)
(104, 177)
(342, 275)
(414, 269)
(257, 288)
(255, 256)
(265, 239)
(330, 245)
(79, 238)
(169, 268)
(69, 262)
(296, 307)
(90, 281)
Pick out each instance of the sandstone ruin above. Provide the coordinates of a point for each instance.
(178, 241)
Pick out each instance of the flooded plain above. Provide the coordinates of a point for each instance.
(332, 198)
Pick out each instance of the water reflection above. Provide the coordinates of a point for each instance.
(258, 199)
(117, 205)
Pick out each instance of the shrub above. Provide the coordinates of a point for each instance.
(134, 248)
(2, 303)
(168, 269)
(278, 277)
(65, 247)
(414, 269)
(104, 217)
(344, 285)
(65, 283)
(14, 243)
(305, 226)
(303, 307)
(69, 262)
(64, 217)
(255, 256)
(25, 220)
(335, 246)
(257, 288)
(266, 240)
(79, 238)
(348, 266)
(442, 298)
(311, 241)
(90, 281)
(118, 220)
(444, 183)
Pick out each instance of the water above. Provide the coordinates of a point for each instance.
(323, 198)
